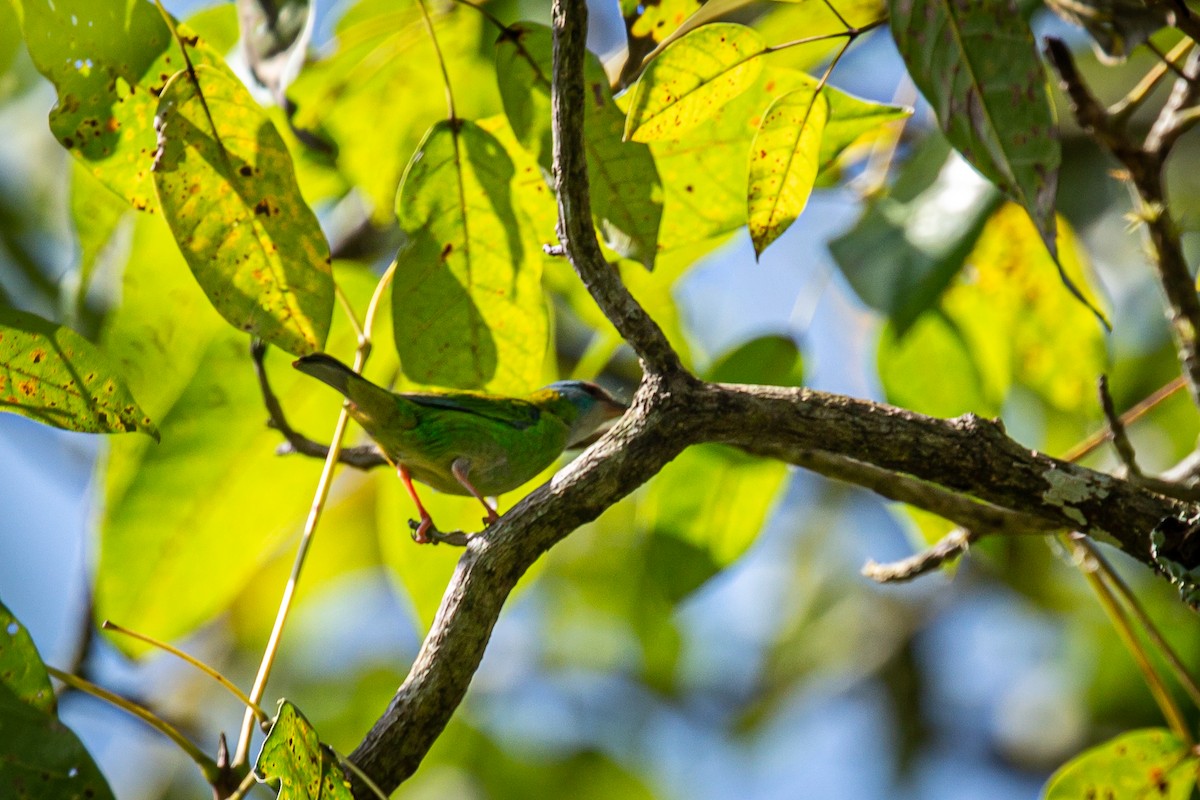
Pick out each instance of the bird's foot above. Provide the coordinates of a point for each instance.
(491, 519)
(424, 532)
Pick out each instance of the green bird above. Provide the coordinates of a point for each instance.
(468, 443)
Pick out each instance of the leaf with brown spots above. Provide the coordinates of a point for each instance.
(692, 80)
(109, 62)
(53, 375)
(1149, 764)
(294, 761)
(468, 307)
(784, 161)
(231, 198)
(977, 64)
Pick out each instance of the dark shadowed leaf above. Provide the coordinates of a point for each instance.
(53, 375)
(231, 198)
(21, 668)
(978, 66)
(908, 246)
(768, 360)
(42, 759)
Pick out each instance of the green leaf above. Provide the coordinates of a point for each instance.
(109, 61)
(784, 161)
(931, 370)
(724, 519)
(850, 118)
(231, 198)
(905, 249)
(1006, 319)
(704, 176)
(42, 759)
(1013, 308)
(624, 186)
(692, 80)
(978, 66)
(384, 53)
(53, 375)
(467, 303)
(21, 668)
(295, 763)
(10, 44)
(1150, 764)
(96, 215)
(768, 360)
(185, 525)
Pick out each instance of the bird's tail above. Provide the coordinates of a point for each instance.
(328, 369)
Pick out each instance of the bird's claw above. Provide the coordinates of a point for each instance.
(424, 532)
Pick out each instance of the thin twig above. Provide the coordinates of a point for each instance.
(1123, 109)
(451, 111)
(1121, 622)
(950, 546)
(363, 457)
(1116, 429)
(1173, 121)
(310, 526)
(1144, 165)
(1130, 599)
(207, 766)
(190, 659)
(1135, 412)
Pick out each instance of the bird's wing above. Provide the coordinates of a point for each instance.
(515, 413)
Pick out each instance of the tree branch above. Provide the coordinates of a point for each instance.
(1144, 165)
(966, 468)
(575, 229)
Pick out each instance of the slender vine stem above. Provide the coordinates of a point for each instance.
(850, 34)
(1120, 620)
(437, 49)
(1135, 412)
(314, 515)
(1178, 669)
(207, 765)
(190, 659)
(488, 15)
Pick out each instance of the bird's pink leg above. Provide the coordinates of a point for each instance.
(459, 469)
(421, 532)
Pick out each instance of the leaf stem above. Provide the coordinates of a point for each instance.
(850, 34)
(244, 786)
(344, 302)
(1190, 687)
(191, 70)
(310, 526)
(437, 48)
(108, 625)
(1136, 412)
(207, 766)
(488, 15)
(1120, 620)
